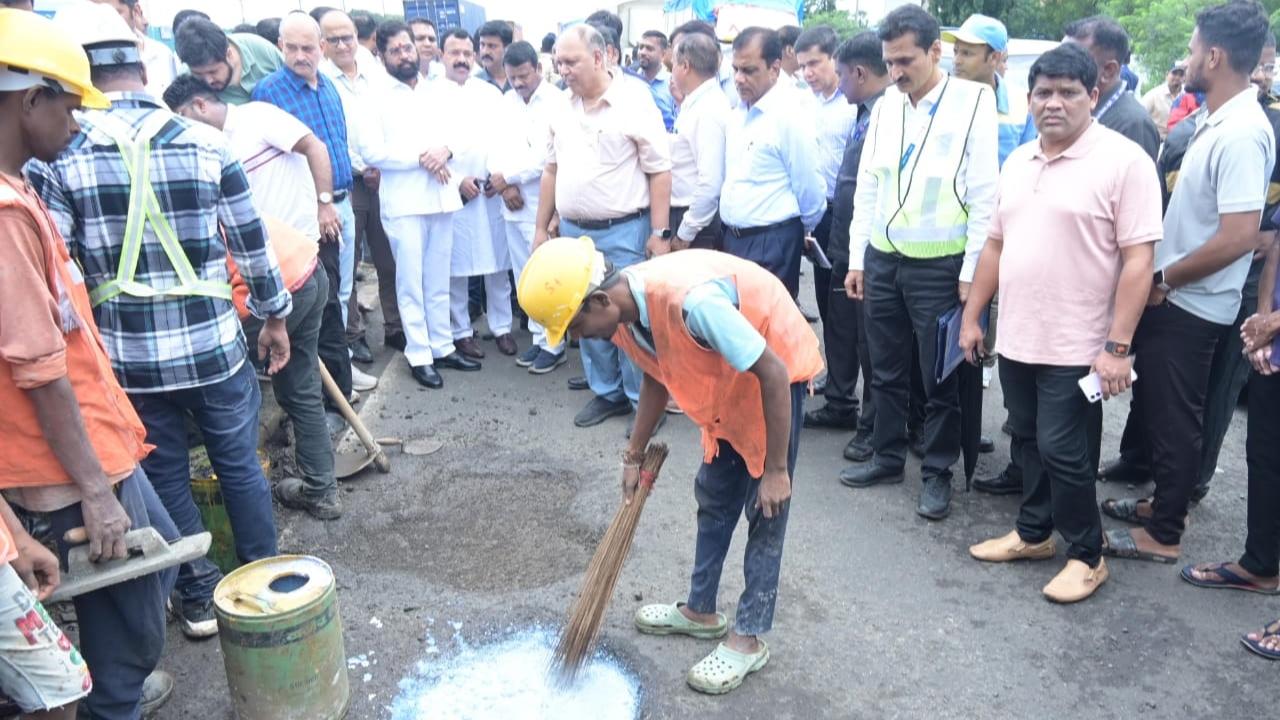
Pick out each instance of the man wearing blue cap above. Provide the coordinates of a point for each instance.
(980, 44)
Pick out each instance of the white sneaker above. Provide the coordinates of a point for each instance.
(986, 377)
(362, 381)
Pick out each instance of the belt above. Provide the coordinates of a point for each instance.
(748, 232)
(339, 196)
(606, 224)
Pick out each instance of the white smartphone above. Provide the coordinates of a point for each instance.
(1091, 385)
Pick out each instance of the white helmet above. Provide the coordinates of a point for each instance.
(105, 36)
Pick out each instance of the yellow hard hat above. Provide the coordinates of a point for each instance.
(31, 43)
(558, 277)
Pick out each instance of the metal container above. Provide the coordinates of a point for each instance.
(207, 494)
(282, 640)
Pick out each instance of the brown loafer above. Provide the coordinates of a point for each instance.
(1076, 582)
(1012, 547)
(469, 347)
(506, 344)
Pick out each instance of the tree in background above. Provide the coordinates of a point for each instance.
(1036, 19)
(846, 24)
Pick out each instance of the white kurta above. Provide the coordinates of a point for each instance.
(479, 234)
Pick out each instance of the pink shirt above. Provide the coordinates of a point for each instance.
(1063, 223)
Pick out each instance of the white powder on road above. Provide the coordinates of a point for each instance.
(509, 680)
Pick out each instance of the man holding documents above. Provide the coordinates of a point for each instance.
(926, 189)
(1070, 248)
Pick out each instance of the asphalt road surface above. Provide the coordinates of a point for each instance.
(881, 614)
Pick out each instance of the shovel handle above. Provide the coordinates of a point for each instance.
(76, 536)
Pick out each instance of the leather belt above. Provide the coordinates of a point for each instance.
(748, 232)
(606, 224)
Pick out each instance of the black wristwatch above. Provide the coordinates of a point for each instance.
(1159, 282)
(1119, 349)
(664, 233)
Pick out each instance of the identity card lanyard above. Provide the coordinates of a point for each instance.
(911, 149)
(1115, 96)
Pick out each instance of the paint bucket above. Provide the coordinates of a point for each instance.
(207, 494)
(282, 640)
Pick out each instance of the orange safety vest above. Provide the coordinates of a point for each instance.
(295, 253)
(114, 429)
(726, 404)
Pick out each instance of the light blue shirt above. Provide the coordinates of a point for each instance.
(835, 119)
(712, 316)
(660, 86)
(1016, 126)
(772, 165)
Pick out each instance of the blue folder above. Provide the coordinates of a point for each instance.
(948, 355)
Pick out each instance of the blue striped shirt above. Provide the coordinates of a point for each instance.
(318, 108)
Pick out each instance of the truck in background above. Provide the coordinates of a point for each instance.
(446, 14)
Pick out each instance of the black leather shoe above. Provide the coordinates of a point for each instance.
(457, 361)
(986, 445)
(1121, 470)
(859, 449)
(827, 417)
(395, 341)
(864, 476)
(427, 376)
(578, 382)
(468, 347)
(360, 351)
(1000, 484)
(935, 499)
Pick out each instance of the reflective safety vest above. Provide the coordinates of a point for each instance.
(144, 212)
(919, 212)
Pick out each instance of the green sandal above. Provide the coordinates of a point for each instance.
(725, 669)
(668, 620)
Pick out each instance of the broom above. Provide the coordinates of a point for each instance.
(578, 638)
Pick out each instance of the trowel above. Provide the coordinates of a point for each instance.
(147, 553)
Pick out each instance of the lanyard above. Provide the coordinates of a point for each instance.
(933, 111)
(1110, 101)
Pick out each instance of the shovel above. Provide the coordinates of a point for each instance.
(147, 552)
(346, 465)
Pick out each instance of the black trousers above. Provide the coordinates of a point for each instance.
(332, 343)
(710, 237)
(1174, 354)
(366, 206)
(866, 420)
(904, 297)
(777, 249)
(1262, 451)
(841, 332)
(1050, 420)
(821, 277)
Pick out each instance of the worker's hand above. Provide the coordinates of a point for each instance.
(36, 565)
(1260, 359)
(330, 223)
(1114, 373)
(971, 342)
(469, 188)
(630, 480)
(497, 184)
(1157, 296)
(963, 291)
(512, 198)
(853, 287)
(655, 246)
(273, 344)
(435, 159)
(775, 491)
(105, 522)
(539, 236)
(372, 178)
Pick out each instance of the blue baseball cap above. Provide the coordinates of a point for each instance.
(980, 30)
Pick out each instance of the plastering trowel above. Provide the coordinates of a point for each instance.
(147, 553)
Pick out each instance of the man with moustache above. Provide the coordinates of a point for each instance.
(425, 39)
(405, 136)
(495, 36)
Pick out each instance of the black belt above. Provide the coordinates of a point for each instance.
(606, 224)
(748, 232)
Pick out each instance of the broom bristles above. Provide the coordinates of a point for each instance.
(578, 638)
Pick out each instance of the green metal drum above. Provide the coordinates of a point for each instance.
(207, 494)
(282, 640)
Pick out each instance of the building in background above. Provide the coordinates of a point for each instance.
(447, 14)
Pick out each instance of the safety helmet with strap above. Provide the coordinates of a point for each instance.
(558, 277)
(36, 52)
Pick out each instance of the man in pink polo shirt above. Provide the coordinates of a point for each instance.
(1070, 248)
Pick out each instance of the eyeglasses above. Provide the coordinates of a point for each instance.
(1268, 69)
(341, 40)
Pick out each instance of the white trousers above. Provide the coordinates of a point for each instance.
(520, 245)
(423, 246)
(497, 292)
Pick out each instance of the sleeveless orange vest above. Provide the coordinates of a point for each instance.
(726, 404)
(115, 432)
(295, 254)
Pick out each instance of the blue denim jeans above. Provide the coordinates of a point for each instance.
(227, 415)
(346, 255)
(122, 627)
(610, 373)
(725, 490)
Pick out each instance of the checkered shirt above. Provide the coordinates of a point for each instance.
(319, 109)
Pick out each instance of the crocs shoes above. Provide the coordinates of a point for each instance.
(725, 669)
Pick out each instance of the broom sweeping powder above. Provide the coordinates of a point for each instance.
(578, 638)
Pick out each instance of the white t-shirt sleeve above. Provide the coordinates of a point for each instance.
(280, 129)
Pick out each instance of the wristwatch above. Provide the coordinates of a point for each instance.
(1159, 282)
(325, 198)
(664, 233)
(1119, 349)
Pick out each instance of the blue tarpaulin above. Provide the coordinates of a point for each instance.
(705, 9)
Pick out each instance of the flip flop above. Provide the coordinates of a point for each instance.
(1255, 646)
(1120, 544)
(668, 620)
(725, 669)
(1124, 510)
(1226, 578)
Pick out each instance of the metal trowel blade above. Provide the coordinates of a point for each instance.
(148, 552)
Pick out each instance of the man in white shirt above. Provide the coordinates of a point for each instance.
(773, 192)
(479, 234)
(515, 175)
(405, 136)
(926, 190)
(425, 39)
(697, 147)
(791, 76)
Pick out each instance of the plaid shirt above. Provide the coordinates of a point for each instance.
(164, 343)
(319, 109)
